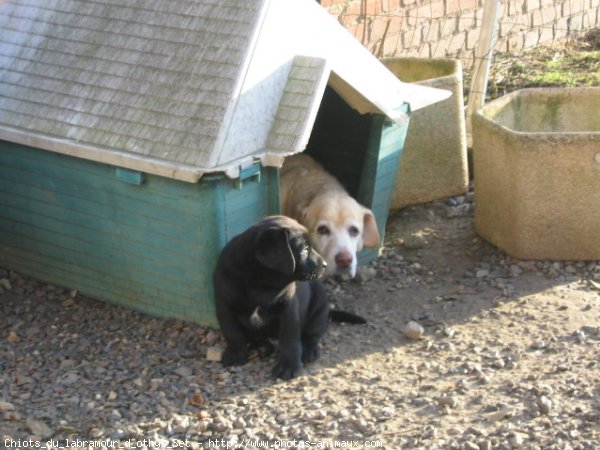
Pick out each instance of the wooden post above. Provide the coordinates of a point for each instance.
(483, 59)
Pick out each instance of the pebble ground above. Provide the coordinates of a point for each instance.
(507, 356)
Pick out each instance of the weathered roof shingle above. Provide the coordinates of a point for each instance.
(153, 79)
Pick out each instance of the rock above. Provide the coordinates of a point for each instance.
(68, 303)
(118, 434)
(365, 274)
(70, 378)
(12, 337)
(184, 371)
(515, 271)
(458, 211)
(181, 424)
(413, 330)
(39, 428)
(203, 414)
(197, 399)
(387, 412)
(344, 414)
(415, 241)
(221, 425)
(454, 431)
(67, 364)
(498, 363)
(591, 331)
(449, 401)
(430, 432)
(485, 445)
(203, 425)
(448, 331)
(212, 337)
(97, 433)
(5, 406)
(214, 353)
(239, 423)
(580, 336)
(21, 379)
(545, 404)
(223, 376)
(503, 413)
(516, 440)
(362, 425)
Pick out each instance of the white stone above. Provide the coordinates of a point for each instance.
(413, 330)
(214, 353)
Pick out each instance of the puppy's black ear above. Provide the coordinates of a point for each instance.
(273, 250)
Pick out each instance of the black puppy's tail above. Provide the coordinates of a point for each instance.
(337, 315)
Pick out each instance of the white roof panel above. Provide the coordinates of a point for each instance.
(182, 87)
(151, 79)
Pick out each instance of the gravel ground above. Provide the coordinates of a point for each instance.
(499, 354)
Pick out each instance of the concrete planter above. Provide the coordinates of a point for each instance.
(434, 162)
(536, 159)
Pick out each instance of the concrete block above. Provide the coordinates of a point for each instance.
(434, 163)
(536, 155)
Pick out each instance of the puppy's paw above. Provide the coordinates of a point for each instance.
(310, 353)
(234, 356)
(286, 370)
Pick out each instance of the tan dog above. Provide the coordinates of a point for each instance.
(338, 225)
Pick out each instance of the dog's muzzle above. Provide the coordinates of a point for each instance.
(318, 272)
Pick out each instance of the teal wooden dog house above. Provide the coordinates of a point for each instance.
(137, 139)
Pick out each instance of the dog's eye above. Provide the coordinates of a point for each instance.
(354, 231)
(323, 230)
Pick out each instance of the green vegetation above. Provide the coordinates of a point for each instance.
(575, 62)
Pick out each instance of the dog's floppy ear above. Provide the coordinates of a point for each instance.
(370, 232)
(274, 252)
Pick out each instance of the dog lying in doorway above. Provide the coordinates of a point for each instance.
(266, 286)
(338, 225)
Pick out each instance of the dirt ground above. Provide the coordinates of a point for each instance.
(508, 357)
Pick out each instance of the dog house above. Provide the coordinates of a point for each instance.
(137, 139)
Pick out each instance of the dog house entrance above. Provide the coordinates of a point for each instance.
(340, 141)
(362, 151)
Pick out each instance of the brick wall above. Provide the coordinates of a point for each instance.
(450, 28)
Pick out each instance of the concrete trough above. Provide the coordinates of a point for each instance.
(536, 155)
(434, 162)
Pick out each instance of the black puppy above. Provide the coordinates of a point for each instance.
(266, 287)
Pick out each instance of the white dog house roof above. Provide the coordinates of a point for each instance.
(182, 87)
